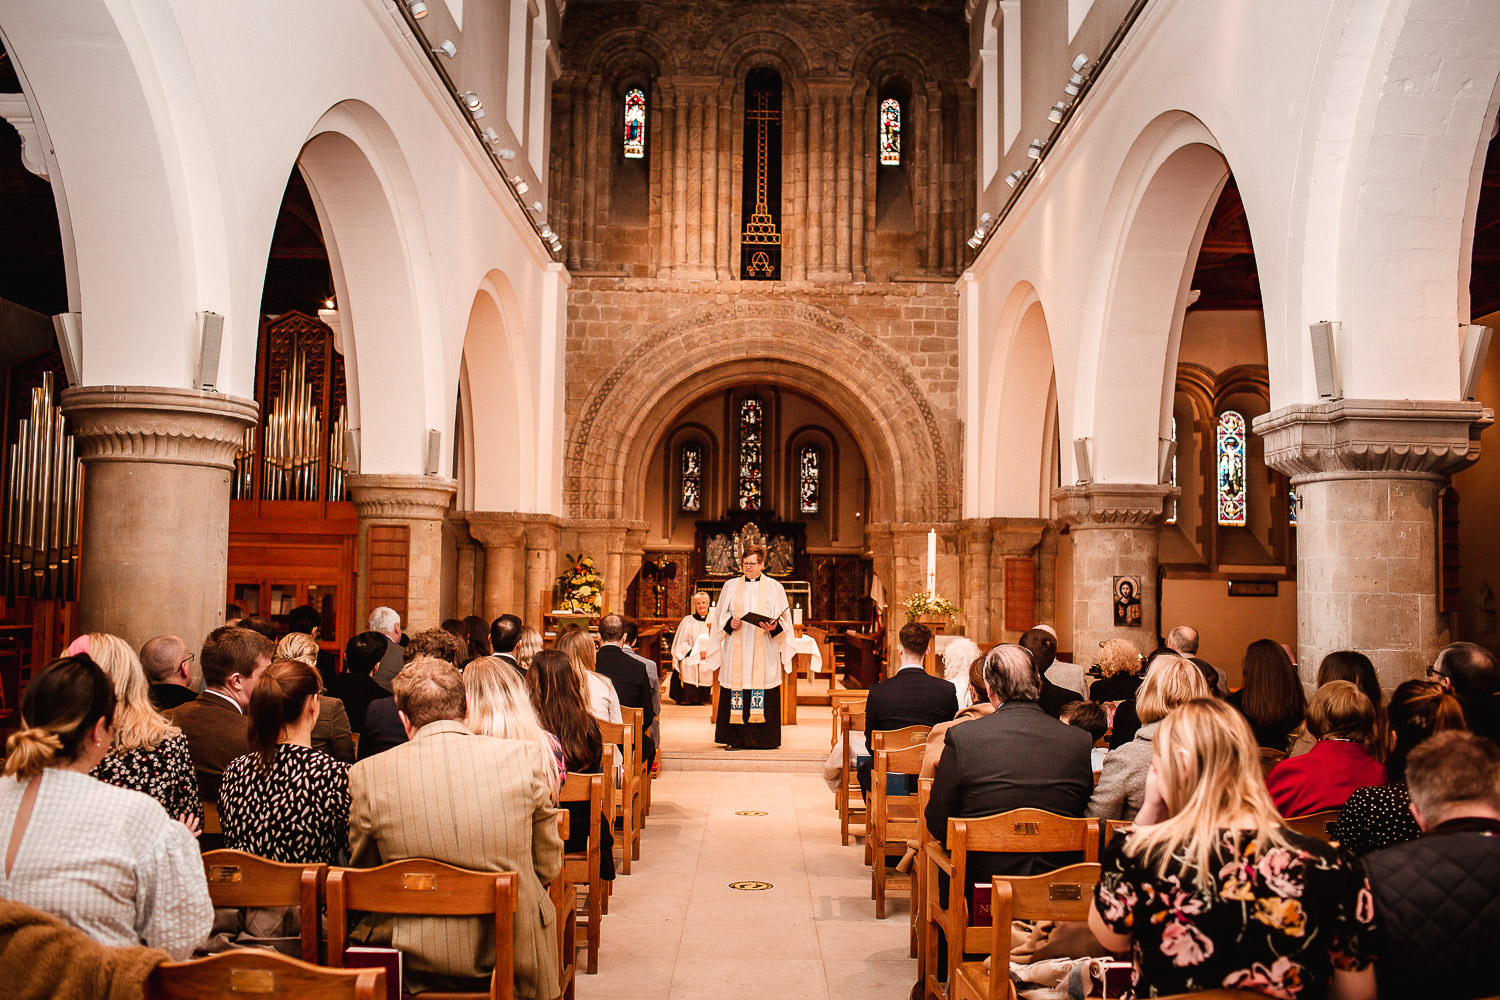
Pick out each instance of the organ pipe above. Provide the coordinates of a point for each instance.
(42, 503)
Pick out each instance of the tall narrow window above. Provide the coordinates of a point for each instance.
(1172, 516)
(1293, 501)
(752, 451)
(760, 242)
(692, 476)
(890, 132)
(809, 479)
(635, 123)
(1231, 440)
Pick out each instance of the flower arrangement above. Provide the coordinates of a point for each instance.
(923, 604)
(578, 588)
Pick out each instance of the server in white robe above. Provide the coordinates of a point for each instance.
(693, 676)
(753, 655)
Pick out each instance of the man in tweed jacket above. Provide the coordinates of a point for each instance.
(472, 801)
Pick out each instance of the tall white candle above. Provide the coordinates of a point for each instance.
(932, 561)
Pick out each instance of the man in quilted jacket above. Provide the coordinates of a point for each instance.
(1437, 899)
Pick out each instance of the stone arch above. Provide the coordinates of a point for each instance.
(1019, 413)
(622, 50)
(368, 207)
(1160, 206)
(879, 399)
(904, 49)
(499, 413)
(773, 49)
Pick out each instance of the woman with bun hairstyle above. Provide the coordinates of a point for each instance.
(284, 800)
(148, 754)
(107, 860)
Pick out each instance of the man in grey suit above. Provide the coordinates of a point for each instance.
(473, 801)
(388, 623)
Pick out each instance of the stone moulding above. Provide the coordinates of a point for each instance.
(403, 497)
(1359, 438)
(162, 425)
(1113, 505)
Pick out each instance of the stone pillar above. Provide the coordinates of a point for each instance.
(859, 142)
(542, 535)
(155, 518)
(615, 544)
(1367, 473)
(1114, 528)
(418, 504)
(503, 537)
(899, 553)
(985, 544)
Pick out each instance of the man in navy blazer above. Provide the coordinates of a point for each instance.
(911, 697)
(629, 677)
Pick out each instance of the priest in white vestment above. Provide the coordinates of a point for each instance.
(753, 655)
(695, 655)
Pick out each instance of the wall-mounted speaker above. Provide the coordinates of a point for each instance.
(1081, 460)
(351, 449)
(434, 451)
(69, 330)
(1325, 359)
(1471, 361)
(1166, 451)
(210, 344)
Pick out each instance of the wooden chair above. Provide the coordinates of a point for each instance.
(1108, 828)
(837, 699)
(918, 897)
(565, 905)
(611, 800)
(849, 798)
(626, 736)
(1318, 825)
(244, 971)
(582, 867)
(1270, 758)
(637, 717)
(422, 887)
(1064, 894)
(1024, 831)
(237, 880)
(211, 819)
(894, 819)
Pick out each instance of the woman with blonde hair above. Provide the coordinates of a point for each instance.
(332, 734)
(147, 754)
(598, 690)
(1121, 789)
(107, 860)
(1212, 890)
(499, 705)
(527, 646)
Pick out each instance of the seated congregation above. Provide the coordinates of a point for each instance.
(1255, 839)
(1345, 845)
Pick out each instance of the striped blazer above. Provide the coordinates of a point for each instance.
(476, 802)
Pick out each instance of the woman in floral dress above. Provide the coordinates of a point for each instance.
(1211, 890)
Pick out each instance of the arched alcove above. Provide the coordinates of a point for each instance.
(499, 458)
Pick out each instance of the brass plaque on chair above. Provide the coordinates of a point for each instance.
(224, 873)
(418, 882)
(1028, 829)
(252, 981)
(1065, 892)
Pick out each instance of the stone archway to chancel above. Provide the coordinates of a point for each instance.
(914, 470)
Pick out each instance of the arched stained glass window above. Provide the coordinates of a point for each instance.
(809, 479)
(692, 476)
(1293, 501)
(1231, 442)
(1172, 515)
(752, 451)
(890, 132)
(635, 123)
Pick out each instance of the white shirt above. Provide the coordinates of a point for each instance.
(108, 861)
(604, 703)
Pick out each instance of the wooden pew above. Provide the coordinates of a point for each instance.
(626, 736)
(242, 971)
(1064, 894)
(582, 867)
(893, 818)
(237, 880)
(849, 799)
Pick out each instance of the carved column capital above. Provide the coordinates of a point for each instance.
(493, 528)
(1112, 505)
(119, 423)
(423, 498)
(1358, 438)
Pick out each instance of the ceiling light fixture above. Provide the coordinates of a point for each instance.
(1074, 85)
(1014, 177)
(520, 184)
(1035, 149)
(472, 103)
(418, 9)
(1059, 109)
(506, 153)
(446, 49)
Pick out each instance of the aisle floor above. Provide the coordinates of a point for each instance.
(675, 930)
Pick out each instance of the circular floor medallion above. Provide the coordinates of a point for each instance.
(752, 812)
(751, 885)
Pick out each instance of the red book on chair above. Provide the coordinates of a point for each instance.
(389, 959)
(979, 913)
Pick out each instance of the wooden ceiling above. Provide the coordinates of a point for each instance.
(1226, 276)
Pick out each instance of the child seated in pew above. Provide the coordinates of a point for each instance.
(1088, 716)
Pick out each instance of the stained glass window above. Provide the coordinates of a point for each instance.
(890, 132)
(1172, 516)
(1293, 501)
(1231, 440)
(692, 476)
(809, 478)
(752, 451)
(635, 124)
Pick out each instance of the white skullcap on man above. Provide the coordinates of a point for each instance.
(1048, 629)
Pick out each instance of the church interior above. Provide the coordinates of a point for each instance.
(1109, 315)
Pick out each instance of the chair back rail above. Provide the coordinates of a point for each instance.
(850, 798)
(263, 974)
(894, 819)
(582, 867)
(898, 739)
(237, 879)
(1064, 894)
(1318, 825)
(626, 736)
(423, 887)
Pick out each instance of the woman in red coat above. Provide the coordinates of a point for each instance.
(1343, 720)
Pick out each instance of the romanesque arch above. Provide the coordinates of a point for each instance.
(1016, 433)
(914, 475)
(498, 405)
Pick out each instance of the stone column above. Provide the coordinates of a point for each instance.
(419, 504)
(503, 537)
(155, 518)
(615, 544)
(542, 535)
(985, 544)
(1114, 528)
(860, 141)
(1367, 473)
(899, 552)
